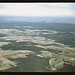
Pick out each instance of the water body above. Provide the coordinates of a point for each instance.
(36, 64)
(67, 68)
(30, 64)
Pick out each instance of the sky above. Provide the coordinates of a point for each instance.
(37, 9)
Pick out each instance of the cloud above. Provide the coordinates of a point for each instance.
(37, 9)
(1, 5)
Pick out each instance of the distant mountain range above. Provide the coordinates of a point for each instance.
(38, 19)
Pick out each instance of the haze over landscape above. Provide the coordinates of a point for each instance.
(37, 37)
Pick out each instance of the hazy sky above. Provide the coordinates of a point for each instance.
(37, 9)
